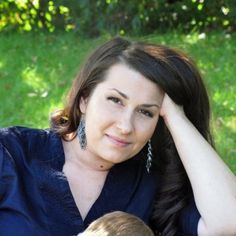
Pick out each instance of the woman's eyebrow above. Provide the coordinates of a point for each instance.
(150, 105)
(121, 94)
(126, 97)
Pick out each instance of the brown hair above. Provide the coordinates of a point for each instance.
(118, 223)
(178, 76)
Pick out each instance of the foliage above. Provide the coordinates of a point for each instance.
(93, 17)
(36, 70)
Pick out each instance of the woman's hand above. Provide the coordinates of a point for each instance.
(170, 110)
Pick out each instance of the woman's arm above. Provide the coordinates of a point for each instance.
(214, 185)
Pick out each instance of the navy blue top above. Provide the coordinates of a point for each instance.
(35, 197)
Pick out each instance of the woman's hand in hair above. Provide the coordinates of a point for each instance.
(170, 111)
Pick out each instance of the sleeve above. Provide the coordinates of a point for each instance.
(2, 186)
(189, 218)
(13, 218)
(7, 173)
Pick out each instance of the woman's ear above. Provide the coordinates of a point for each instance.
(83, 104)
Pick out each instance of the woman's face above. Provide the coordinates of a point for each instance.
(121, 114)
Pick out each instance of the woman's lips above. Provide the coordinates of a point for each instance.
(117, 141)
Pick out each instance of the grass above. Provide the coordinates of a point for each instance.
(36, 71)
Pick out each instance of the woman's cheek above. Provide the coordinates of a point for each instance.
(148, 128)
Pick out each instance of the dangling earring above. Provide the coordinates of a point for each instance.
(149, 156)
(81, 134)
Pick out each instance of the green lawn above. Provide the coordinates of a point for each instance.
(36, 71)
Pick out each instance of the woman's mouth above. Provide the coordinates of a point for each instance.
(117, 141)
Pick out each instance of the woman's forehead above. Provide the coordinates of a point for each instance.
(130, 82)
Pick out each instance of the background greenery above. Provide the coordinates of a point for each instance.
(95, 17)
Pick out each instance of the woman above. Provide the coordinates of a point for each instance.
(134, 137)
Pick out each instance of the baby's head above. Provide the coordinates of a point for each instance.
(118, 223)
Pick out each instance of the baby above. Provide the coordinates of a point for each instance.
(117, 223)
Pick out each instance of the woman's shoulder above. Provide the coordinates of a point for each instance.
(20, 131)
(23, 133)
(32, 142)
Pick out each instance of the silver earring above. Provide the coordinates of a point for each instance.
(81, 134)
(149, 156)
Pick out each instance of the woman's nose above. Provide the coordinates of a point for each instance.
(125, 123)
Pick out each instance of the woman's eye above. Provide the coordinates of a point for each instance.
(146, 113)
(114, 99)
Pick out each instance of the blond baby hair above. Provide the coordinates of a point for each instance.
(118, 223)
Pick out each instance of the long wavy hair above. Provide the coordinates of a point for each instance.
(177, 75)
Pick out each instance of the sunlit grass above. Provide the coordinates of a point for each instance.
(36, 71)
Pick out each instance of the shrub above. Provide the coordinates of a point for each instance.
(93, 17)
